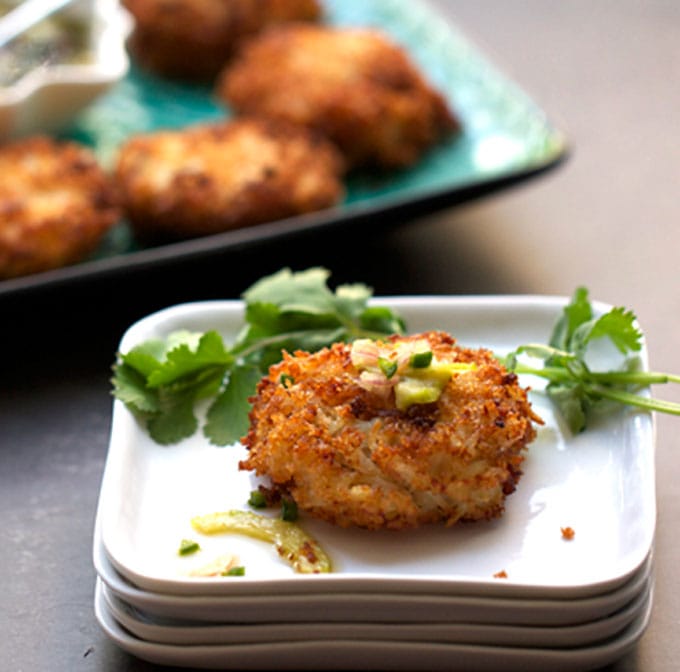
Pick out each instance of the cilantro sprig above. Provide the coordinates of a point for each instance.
(162, 380)
(573, 386)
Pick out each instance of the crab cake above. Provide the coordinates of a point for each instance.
(392, 434)
(179, 184)
(193, 39)
(56, 204)
(354, 85)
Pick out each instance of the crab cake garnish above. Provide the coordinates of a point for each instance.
(207, 179)
(193, 39)
(56, 204)
(392, 434)
(354, 85)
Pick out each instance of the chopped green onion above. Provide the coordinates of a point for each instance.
(235, 571)
(187, 547)
(289, 510)
(387, 366)
(421, 360)
(257, 500)
(286, 380)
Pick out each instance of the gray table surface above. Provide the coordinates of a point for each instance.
(607, 72)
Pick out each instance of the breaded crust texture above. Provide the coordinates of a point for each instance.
(349, 457)
(56, 204)
(354, 85)
(193, 39)
(208, 179)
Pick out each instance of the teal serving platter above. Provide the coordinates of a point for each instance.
(506, 139)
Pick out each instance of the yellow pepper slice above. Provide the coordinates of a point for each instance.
(292, 543)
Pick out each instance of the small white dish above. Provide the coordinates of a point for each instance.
(46, 98)
(192, 633)
(601, 483)
(349, 654)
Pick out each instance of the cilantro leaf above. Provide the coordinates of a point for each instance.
(573, 387)
(129, 385)
(569, 399)
(227, 419)
(576, 313)
(381, 320)
(175, 419)
(305, 292)
(160, 380)
(297, 311)
(618, 325)
(198, 364)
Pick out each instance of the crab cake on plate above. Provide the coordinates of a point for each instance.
(354, 85)
(206, 179)
(392, 434)
(56, 204)
(193, 39)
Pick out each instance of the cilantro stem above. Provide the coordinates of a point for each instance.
(280, 339)
(597, 384)
(632, 399)
(263, 343)
(642, 378)
(561, 375)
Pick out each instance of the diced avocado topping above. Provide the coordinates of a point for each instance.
(439, 372)
(411, 391)
(409, 368)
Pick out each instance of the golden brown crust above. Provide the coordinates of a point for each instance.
(211, 178)
(193, 39)
(56, 204)
(351, 458)
(354, 85)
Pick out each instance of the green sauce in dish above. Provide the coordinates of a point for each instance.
(60, 39)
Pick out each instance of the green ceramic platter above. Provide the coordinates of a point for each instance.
(506, 139)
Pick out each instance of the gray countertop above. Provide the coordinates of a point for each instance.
(607, 73)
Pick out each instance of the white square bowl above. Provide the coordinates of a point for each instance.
(46, 98)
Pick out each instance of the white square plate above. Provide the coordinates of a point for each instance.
(600, 483)
(383, 606)
(191, 633)
(350, 654)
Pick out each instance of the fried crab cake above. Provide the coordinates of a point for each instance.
(354, 85)
(193, 39)
(206, 179)
(56, 204)
(392, 434)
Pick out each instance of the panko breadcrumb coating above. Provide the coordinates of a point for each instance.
(207, 179)
(353, 84)
(346, 454)
(56, 204)
(193, 39)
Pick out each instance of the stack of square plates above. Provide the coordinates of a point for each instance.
(512, 594)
